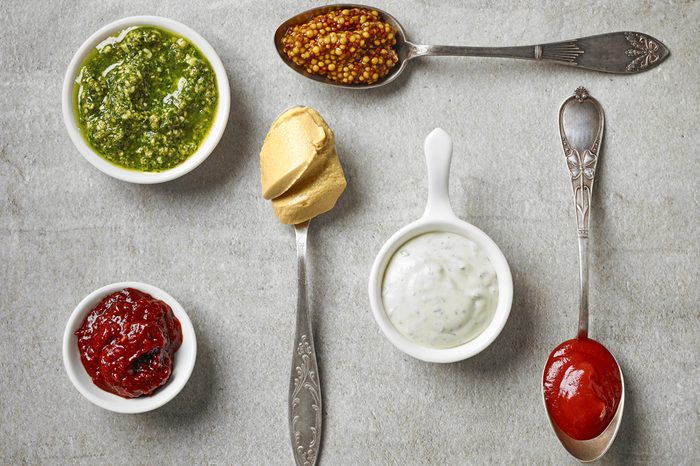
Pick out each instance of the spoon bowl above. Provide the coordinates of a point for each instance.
(587, 451)
(404, 49)
(623, 52)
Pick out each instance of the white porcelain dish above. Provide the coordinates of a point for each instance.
(439, 217)
(183, 362)
(209, 143)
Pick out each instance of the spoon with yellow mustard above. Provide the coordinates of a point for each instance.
(301, 174)
(362, 47)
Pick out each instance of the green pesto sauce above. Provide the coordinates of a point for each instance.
(146, 99)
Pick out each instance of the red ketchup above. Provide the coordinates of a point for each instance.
(582, 387)
(127, 343)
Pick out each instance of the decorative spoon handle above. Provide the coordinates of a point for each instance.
(581, 124)
(304, 386)
(615, 52)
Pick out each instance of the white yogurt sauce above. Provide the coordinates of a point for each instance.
(440, 290)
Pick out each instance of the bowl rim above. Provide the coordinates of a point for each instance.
(503, 274)
(183, 363)
(208, 144)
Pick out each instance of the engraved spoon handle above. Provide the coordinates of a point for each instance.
(304, 386)
(616, 52)
(581, 125)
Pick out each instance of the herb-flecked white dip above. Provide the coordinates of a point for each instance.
(440, 290)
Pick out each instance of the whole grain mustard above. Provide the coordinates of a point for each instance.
(348, 46)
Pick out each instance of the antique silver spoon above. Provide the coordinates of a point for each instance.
(581, 124)
(304, 386)
(616, 52)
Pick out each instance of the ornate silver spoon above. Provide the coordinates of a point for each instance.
(622, 52)
(304, 387)
(581, 124)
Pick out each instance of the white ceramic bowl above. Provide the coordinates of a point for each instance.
(438, 217)
(183, 361)
(209, 143)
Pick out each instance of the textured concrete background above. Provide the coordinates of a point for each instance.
(213, 242)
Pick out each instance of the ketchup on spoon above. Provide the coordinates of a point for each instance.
(582, 387)
(582, 384)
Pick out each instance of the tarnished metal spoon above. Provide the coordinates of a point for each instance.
(305, 409)
(623, 52)
(581, 124)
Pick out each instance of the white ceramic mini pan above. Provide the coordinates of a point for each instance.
(439, 217)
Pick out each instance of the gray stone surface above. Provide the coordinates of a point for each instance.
(213, 242)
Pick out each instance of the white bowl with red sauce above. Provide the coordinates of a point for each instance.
(182, 364)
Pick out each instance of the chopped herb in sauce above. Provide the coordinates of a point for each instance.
(146, 99)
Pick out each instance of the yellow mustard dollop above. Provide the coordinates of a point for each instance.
(299, 166)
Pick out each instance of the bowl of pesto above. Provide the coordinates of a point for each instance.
(146, 99)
